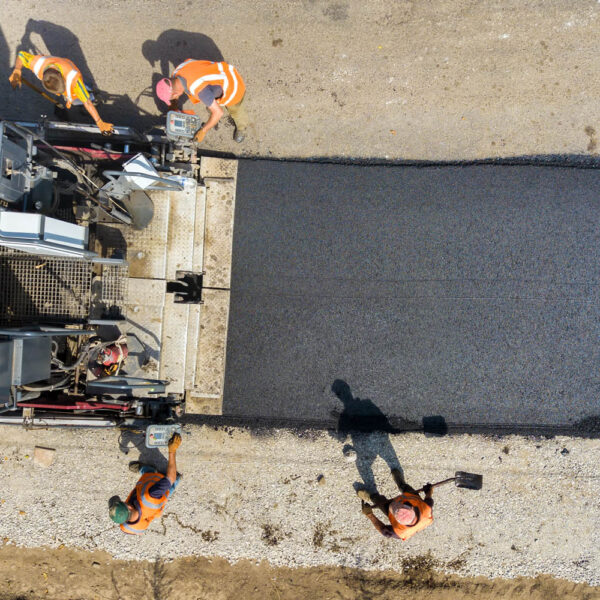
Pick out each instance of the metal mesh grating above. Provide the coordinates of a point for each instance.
(39, 288)
(114, 284)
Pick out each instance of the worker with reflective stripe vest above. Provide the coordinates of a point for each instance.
(216, 84)
(61, 77)
(408, 513)
(147, 500)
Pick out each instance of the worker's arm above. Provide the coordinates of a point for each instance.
(428, 489)
(15, 76)
(216, 112)
(384, 530)
(102, 125)
(174, 443)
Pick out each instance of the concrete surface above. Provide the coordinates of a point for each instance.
(445, 79)
(469, 293)
(253, 496)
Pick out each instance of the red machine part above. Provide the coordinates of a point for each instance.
(77, 405)
(113, 354)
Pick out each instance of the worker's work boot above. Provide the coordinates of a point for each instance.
(364, 495)
(238, 136)
(136, 466)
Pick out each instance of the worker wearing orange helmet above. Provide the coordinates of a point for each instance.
(408, 513)
(216, 84)
(61, 77)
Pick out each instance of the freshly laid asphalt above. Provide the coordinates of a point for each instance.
(466, 293)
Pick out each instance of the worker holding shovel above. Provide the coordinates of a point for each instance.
(61, 77)
(408, 513)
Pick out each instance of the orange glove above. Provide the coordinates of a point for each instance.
(199, 136)
(105, 128)
(15, 79)
(174, 442)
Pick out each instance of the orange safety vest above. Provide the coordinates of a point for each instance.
(150, 508)
(425, 516)
(200, 73)
(69, 71)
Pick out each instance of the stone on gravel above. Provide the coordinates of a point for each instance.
(43, 456)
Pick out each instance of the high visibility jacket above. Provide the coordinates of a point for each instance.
(74, 86)
(425, 516)
(150, 508)
(197, 74)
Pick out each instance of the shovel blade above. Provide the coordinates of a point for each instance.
(470, 481)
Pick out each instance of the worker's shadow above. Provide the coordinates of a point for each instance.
(44, 37)
(135, 440)
(58, 41)
(368, 429)
(172, 47)
(7, 105)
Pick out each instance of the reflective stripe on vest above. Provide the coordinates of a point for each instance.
(150, 508)
(147, 500)
(69, 84)
(67, 70)
(128, 529)
(38, 65)
(235, 87)
(185, 62)
(200, 73)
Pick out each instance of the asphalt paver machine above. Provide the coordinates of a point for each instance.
(102, 271)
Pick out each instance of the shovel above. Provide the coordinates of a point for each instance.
(462, 479)
(41, 93)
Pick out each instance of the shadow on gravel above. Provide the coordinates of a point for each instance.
(5, 67)
(171, 48)
(58, 41)
(135, 439)
(368, 429)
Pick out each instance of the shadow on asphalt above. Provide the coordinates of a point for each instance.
(368, 429)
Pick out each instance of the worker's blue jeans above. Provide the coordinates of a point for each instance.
(150, 469)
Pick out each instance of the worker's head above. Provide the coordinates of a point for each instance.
(169, 89)
(53, 81)
(403, 513)
(118, 510)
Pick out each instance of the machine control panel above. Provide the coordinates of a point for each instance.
(158, 436)
(181, 125)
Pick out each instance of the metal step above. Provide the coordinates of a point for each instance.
(183, 219)
(173, 343)
(205, 388)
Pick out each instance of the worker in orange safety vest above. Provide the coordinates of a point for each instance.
(61, 77)
(147, 500)
(408, 513)
(216, 84)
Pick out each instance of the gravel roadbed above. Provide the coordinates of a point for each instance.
(289, 498)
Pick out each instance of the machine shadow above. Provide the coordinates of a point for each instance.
(130, 439)
(368, 429)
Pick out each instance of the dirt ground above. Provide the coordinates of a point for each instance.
(66, 574)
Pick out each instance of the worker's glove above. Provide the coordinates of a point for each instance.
(199, 136)
(428, 489)
(15, 79)
(174, 442)
(105, 128)
(367, 509)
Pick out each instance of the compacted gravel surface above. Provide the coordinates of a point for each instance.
(289, 498)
